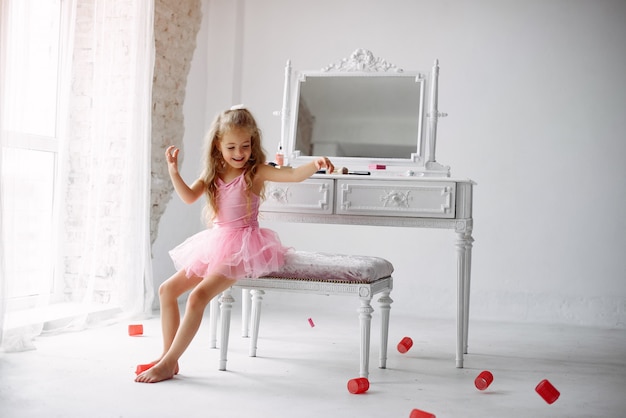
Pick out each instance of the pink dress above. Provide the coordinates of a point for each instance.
(235, 247)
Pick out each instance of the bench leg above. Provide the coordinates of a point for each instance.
(257, 298)
(226, 307)
(245, 312)
(385, 306)
(214, 307)
(365, 320)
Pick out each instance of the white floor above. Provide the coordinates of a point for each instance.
(302, 371)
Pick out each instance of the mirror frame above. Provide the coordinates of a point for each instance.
(362, 63)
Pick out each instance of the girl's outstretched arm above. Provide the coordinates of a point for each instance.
(294, 175)
(187, 194)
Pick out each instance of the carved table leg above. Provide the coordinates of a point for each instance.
(365, 320)
(226, 307)
(257, 298)
(464, 246)
(466, 288)
(385, 306)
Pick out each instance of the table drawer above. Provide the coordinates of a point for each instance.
(310, 196)
(381, 198)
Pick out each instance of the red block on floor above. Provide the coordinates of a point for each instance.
(548, 392)
(483, 380)
(405, 345)
(142, 368)
(358, 385)
(135, 330)
(417, 413)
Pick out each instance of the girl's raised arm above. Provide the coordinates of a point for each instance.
(187, 194)
(294, 175)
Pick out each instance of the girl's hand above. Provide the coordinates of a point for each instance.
(324, 162)
(186, 193)
(171, 156)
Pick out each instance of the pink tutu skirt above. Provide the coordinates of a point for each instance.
(249, 252)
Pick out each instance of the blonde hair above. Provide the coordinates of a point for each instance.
(214, 163)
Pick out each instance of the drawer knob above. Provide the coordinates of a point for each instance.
(278, 194)
(394, 198)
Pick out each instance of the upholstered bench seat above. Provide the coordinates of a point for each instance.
(315, 273)
(304, 265)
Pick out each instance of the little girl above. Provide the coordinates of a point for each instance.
(211, 261)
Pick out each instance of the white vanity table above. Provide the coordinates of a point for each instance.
(413, 190)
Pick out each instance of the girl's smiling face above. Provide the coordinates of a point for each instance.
(236, 147)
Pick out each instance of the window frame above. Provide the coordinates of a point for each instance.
(14, 139)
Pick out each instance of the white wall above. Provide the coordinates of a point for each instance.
(535, 96)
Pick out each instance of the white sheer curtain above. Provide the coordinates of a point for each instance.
(100, 226)
(3, 289)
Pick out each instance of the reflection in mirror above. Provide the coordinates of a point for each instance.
(362, 116)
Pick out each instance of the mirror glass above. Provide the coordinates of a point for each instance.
(358, 115)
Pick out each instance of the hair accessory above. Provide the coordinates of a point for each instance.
(237, 107)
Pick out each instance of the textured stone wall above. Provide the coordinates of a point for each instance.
(176, 24)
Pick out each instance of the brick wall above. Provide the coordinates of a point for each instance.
(176, 24)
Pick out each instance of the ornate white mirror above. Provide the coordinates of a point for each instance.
(360, 111)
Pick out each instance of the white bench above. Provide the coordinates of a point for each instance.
(314, 273)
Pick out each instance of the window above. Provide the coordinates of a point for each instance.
(75, 84)
(30, 83)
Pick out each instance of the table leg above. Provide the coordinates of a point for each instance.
(464, 258)
(466, 287)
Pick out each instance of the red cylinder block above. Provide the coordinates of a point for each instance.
(358, 385)
(548, 392)
(417, 413)
(405, 345)
(483, 380)
(135, 330)
(142, 368)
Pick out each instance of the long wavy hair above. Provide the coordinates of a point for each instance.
(214, 163)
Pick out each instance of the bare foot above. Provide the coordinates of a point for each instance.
(157, 373)
(152, 363)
